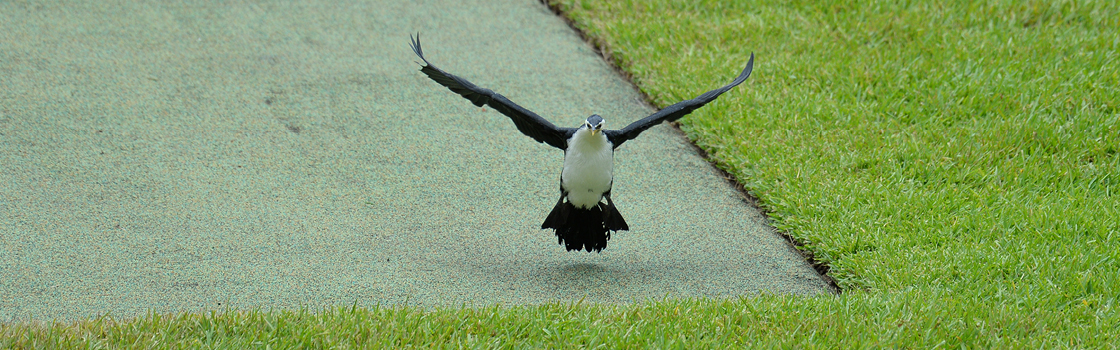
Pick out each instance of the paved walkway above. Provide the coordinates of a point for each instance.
(195, 156)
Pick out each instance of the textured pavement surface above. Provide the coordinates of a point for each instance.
(194, 156)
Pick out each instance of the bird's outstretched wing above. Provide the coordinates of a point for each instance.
(676, 111)
(527, 122)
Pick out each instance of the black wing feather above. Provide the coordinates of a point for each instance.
(676, 111)
(527, 122)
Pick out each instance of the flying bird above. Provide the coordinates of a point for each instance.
(585, 215)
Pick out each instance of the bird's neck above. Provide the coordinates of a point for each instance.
(584, 142)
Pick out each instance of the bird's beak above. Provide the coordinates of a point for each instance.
(594, 131)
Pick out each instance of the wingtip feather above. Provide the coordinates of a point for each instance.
(418, 49)
(746, 70)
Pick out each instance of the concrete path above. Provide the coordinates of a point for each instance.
(193, 156)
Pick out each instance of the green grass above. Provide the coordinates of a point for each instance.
(966, 152)
(955, 164)
(903, 318)
(962, 145)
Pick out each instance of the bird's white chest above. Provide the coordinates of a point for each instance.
(588, 169)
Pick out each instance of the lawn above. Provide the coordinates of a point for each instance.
(955, 165)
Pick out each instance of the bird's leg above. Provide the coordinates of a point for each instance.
(612, 219)
(610, 207)
(607, 211)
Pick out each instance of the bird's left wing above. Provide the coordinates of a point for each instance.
(527, 122)
(676, 111)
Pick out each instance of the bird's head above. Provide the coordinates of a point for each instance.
(594, 123)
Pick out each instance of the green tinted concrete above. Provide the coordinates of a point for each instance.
(198, 156)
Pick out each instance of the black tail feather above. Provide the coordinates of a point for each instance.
(612, 218)
(584, 229)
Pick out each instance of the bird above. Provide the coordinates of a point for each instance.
(584, 216)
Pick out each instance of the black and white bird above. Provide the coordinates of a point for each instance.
(581, 218)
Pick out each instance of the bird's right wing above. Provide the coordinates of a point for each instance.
(676, 111)
(527, 122)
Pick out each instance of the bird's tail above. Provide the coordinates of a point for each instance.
(586, 229)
